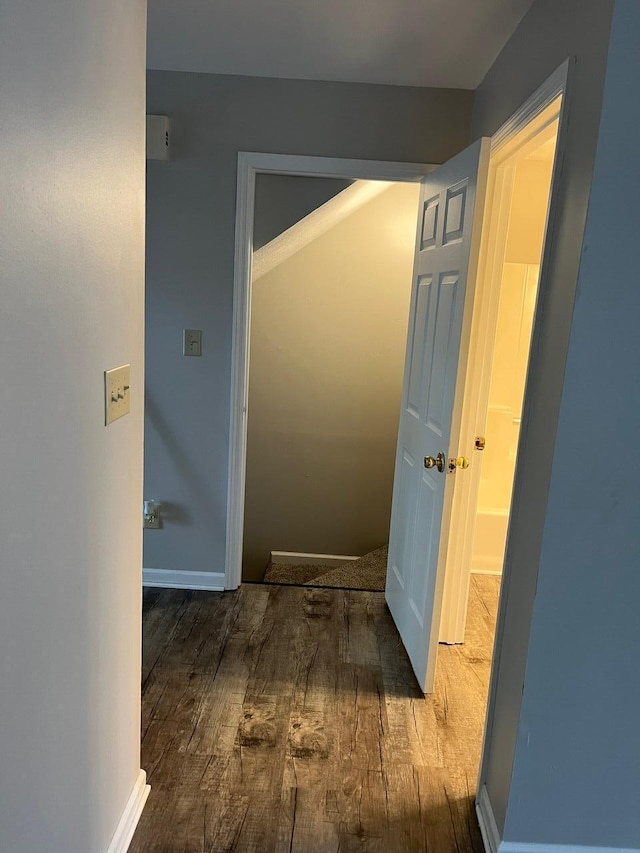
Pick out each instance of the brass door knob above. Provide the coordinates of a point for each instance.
(459, 462)
(435, 462)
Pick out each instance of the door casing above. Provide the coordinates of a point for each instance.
(529, 127)
(249, 165)
(557, 85)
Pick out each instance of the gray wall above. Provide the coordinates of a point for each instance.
(328, 338)
(283, 200)
(549, 33)
(190, 245)
(576, 777)
(72, 82)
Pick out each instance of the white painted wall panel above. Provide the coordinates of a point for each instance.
(71, 306)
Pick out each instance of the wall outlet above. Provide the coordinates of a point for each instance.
(192, 342)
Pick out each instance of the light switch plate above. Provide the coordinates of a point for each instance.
(117, 393)
(192, 342)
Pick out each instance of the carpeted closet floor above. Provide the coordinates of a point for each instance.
(367, 572)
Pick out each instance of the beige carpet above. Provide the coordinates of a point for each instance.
(368, 572)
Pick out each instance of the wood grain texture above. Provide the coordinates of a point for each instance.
(287, 720)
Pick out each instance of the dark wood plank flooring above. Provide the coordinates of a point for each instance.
(288, 720)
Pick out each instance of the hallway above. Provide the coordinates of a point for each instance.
(288, 719)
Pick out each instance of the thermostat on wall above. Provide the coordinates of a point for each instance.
(157, 137)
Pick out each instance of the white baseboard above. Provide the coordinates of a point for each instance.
(487, 821)
(516, 847)
(493, 843)
(478, 569)
(177, 579)
(130, 816)
(301, 558)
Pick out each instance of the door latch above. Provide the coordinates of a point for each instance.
(458, 462)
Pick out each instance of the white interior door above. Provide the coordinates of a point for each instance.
(447, 245)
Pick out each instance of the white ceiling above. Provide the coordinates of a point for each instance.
(443, 43)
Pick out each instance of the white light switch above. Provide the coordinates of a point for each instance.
(192, 342)
(117, 393)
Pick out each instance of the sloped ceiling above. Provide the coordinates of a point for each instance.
(441, 43)
(314, 225)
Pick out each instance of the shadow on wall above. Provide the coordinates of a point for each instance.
(174, 513)
(283, 200)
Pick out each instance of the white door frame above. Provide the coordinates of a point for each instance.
(249, 165)
(475, 376)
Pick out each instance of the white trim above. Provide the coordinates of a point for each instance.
(493, 843)
(130, 816)
(301, 558)
(487, 821)
(249, 164)
(558, 84)
(527, 847)
(490, 567)
(334, 167)
(552, 87)
(314, 225)
(475, 375)
(178, 579)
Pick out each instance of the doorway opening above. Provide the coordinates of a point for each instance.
(527, 180)
(251, 166)
(482, 225)
(331, 283)
(515, 224)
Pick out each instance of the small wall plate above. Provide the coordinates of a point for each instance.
(117, 393)
(192, 342)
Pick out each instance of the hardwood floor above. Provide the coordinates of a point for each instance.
(288, 719)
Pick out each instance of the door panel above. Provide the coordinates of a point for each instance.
(447, 241)
(417, 365)
(444, 334)
(427, 498)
